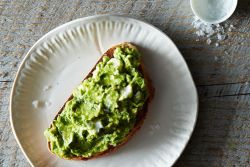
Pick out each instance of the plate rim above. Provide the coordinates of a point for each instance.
(83, 19)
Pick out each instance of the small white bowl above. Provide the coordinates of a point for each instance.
(213, 11)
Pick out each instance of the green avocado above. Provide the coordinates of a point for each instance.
(103, 109)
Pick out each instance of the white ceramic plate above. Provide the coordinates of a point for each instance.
(63, 57)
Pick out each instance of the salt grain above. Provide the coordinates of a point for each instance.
(209, 41)
(221, 37)
(200, 33)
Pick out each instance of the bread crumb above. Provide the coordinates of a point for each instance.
(47, 103)
(151, 133)
(47, 87)
(39, 104)
(36, 103)
(155, 127)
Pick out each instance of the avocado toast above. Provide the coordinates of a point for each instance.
(105, 110)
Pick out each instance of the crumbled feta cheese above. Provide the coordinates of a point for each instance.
(98, 126)
(126, 92)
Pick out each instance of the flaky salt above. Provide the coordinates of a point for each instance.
(214, 33)
(209, 41)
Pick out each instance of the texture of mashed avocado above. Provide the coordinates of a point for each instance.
(103, 109)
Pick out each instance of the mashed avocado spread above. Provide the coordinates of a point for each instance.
(103, 109)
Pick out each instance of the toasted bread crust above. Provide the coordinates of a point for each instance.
(141, 116)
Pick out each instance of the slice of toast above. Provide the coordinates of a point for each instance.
(141, 114)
